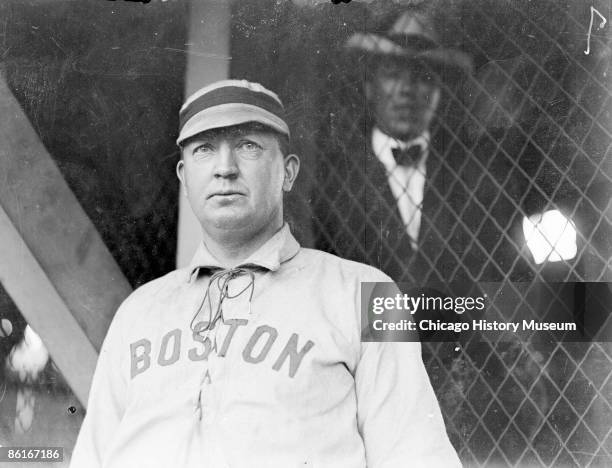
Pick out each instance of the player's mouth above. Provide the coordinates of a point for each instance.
(226, 194)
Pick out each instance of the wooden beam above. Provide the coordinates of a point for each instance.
(59, 238)
(46, 312)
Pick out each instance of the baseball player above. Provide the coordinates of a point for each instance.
(251, 356)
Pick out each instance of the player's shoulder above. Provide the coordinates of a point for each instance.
(348, 269)
(151, 290)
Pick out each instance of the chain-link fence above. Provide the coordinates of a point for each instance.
(527, 132)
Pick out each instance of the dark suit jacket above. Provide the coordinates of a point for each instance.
(471, 221)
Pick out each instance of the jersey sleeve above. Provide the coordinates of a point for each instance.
(107, 399)
(397, 411)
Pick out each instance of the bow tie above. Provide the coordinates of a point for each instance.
(409, 156)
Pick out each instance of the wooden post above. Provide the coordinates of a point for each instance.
(208, 60)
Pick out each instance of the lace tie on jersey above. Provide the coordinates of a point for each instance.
(222, 279)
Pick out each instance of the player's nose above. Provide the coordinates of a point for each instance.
(226, 164)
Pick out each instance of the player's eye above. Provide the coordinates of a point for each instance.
(203, 149)
(249, 145)
(248, 148)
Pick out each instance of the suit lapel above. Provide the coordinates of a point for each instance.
(393, 250)
(381, 232)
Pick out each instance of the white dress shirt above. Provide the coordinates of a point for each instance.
(407, 183)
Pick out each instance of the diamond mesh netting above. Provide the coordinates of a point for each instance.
(527, 132)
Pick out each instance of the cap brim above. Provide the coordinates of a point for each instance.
(226, 115)
(380, 45)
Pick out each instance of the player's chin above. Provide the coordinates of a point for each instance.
(230, 217)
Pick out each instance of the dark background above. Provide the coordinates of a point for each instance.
(102, 83)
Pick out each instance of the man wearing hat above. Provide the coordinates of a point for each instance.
(401, 186)
(251, 356)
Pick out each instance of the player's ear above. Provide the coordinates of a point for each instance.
(292, 168)
(180, 173)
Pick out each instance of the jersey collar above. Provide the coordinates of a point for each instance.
(280, 248)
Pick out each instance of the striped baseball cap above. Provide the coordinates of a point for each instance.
(230, 102)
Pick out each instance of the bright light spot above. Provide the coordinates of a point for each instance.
(32, 340)
(550, 236)
(28, 358)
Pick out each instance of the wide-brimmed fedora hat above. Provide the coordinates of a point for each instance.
(411, 36)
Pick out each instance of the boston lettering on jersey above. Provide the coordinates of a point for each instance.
(255, 351)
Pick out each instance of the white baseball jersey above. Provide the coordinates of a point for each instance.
(281, 380)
